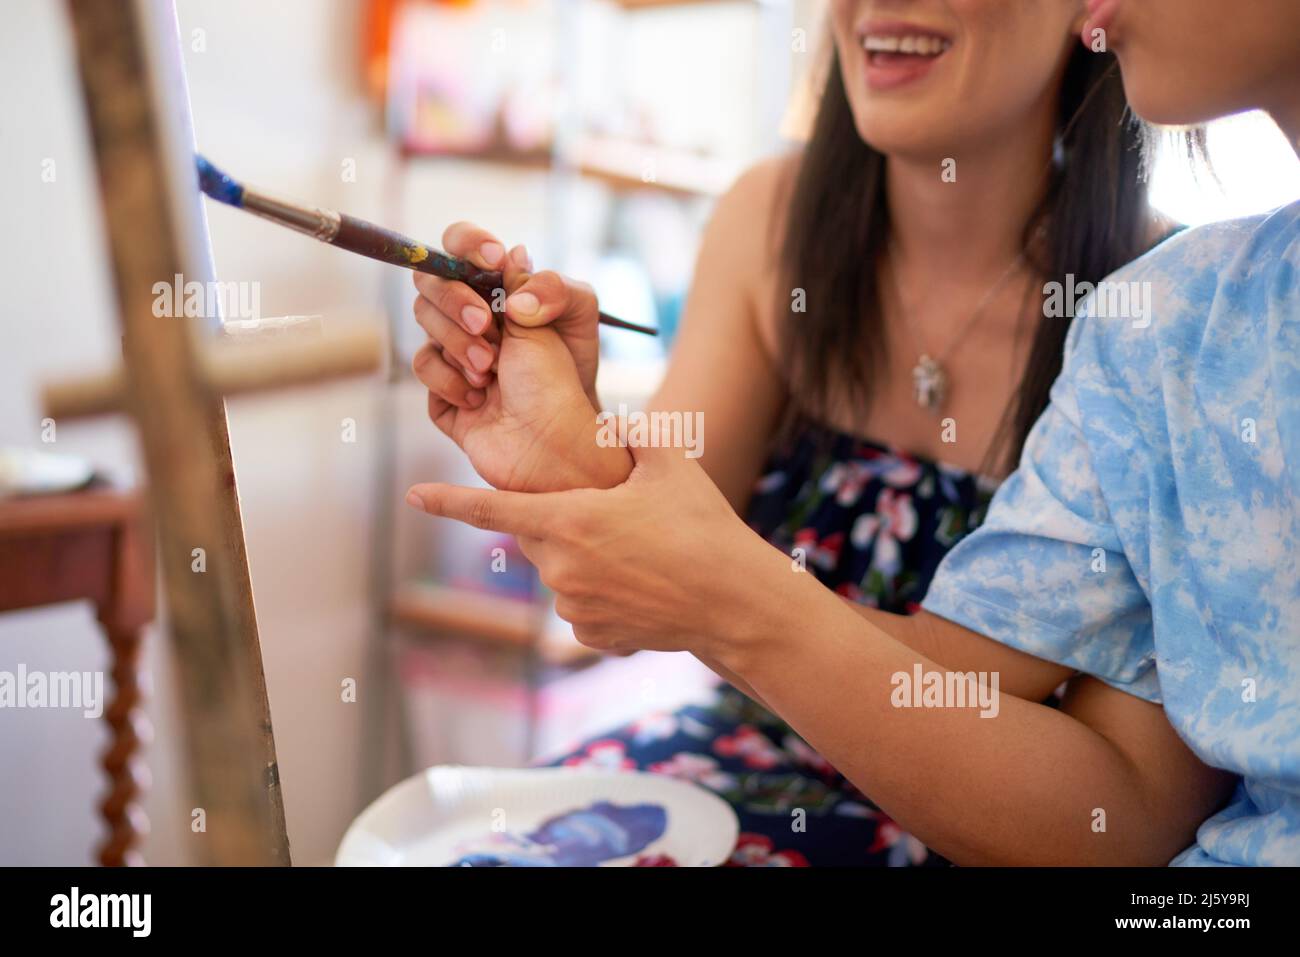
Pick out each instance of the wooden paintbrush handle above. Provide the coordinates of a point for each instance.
(486, 285)
(387, 246)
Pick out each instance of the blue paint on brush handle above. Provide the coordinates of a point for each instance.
(218, 185)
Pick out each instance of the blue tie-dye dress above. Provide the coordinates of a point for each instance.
(1151, 535)
(872, 523)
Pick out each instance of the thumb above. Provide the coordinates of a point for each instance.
(548, 297)
(656, 449)
(516, 268)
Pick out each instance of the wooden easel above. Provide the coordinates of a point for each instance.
(128, 52)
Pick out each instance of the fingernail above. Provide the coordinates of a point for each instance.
(524, 303)
(491, 253)
(479, 357)
(473, 398)
(414, 501)
(522, 259)
(474, 318)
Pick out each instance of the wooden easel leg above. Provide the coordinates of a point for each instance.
(128, 54)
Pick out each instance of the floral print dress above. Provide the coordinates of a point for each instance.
(872, 523)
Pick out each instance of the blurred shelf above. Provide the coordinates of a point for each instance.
(631, 381)
(492, 619)
(630, 164)
(525, 159)
(622, 165)
(650, 4)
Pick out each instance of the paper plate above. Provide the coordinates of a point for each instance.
(31, 472)
(543, 817)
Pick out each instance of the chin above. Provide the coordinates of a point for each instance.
(1166, 104)
(909, 136)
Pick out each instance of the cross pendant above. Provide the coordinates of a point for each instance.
(929, 383)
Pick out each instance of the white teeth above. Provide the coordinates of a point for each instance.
(914, 44)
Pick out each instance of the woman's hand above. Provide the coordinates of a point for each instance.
(661, 562)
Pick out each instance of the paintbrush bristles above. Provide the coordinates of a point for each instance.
(218, 185)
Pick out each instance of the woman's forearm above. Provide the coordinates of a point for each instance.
(733, 679)
(1026, 785)
(961, 649)
(952, 646)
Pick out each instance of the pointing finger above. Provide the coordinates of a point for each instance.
(515, 513)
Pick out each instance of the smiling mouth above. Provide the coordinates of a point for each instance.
(900, 54)
(921, 45)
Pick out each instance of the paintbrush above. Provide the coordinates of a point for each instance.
(359, 236)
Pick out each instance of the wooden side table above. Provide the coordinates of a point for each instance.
(94, 545)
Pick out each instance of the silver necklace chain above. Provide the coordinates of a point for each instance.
(929, 377)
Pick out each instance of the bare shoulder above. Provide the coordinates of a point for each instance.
(751, 214)
(759, 188)
(743, 240)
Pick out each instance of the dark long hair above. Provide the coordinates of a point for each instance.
(1094, 218)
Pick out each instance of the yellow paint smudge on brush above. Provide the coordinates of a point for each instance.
(416, 254)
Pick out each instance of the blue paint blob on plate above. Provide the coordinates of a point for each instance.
(583, 837)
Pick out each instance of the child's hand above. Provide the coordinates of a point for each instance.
(517, 394)
(460, 321)
(530, 427)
